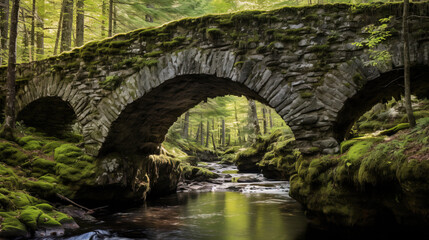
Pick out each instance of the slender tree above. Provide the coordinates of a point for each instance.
(67, 26)
(80, 21)
(253, 120)
(407, 80)
(103, 18)
(186, 126)
(223, 133)
(208, 133)
(4, 29)
(26, 53)
(60, 23)
(8, 128)
(33, 31)
(40, 34)
(111, 6)
(264, 119)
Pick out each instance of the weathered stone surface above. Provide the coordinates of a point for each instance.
(310, 72)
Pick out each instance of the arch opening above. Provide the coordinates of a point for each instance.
(142, 125)
(50, 115)
(379, 90)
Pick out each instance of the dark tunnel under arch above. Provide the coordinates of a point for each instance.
(381, 89)
(50, 115)
(143, 124)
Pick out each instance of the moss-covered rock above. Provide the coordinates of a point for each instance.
(373, 178)
(197, 173)
(274, 155)
(11, 226)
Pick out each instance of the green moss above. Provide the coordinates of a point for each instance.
(29, 216)
(60, 217)
(21, 199)
(358, 80)
(230, 171)
(306, 94)
(320, 48)
(395, 129)
(214, 33)
(360, 149)
(40, 188)
(196, 173)
(111, 82)
(311, 17)
(11, 226)
(347, 144)
(50, 146)
(67, 154)
(11, 154)
(153, 54)
(45, 207)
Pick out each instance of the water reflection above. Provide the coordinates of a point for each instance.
(212, 215)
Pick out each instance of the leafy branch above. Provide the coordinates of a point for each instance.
(377, 35)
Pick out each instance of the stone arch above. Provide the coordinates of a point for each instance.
(199, 73)
(142, 125)
(40, 92)
(377, 88)
(51, 115)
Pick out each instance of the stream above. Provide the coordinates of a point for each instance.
(252, 208)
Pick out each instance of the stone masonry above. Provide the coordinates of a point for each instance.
(126, 91)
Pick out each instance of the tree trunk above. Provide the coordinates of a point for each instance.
(208, 133)
(4, 30)
(214, 142)
(197, 137)
(9, 125)
(67, 26)
(253, 120)
(59, 29)
(236, 123)
(264, 119)
(407, 80)
(271, 118)
(103, 17)
(223, 133)
(26, 53)
(186, 126)
(115, 17)
(33, 31)
(110, 18)
(148, 17)
(202, 134)
(40, 35)
(80, 22)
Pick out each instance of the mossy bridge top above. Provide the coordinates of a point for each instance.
(127, 90)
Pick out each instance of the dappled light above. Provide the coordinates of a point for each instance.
(219, 119)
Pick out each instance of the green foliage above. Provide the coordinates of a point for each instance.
(111, 82)
(377, 35)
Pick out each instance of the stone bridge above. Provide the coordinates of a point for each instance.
(126, 91)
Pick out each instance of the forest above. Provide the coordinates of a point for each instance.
(85, 152)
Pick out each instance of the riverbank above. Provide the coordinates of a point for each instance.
(374, 181)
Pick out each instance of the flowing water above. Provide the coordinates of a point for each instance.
(254, 209)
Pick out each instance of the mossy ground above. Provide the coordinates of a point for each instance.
(388, 118)
(275, 155)
(370, 177)
(32, 170)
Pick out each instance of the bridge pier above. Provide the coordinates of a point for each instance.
(315, 141)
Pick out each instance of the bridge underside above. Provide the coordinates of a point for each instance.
(382, 89)
(50, 115)
(142, 125)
